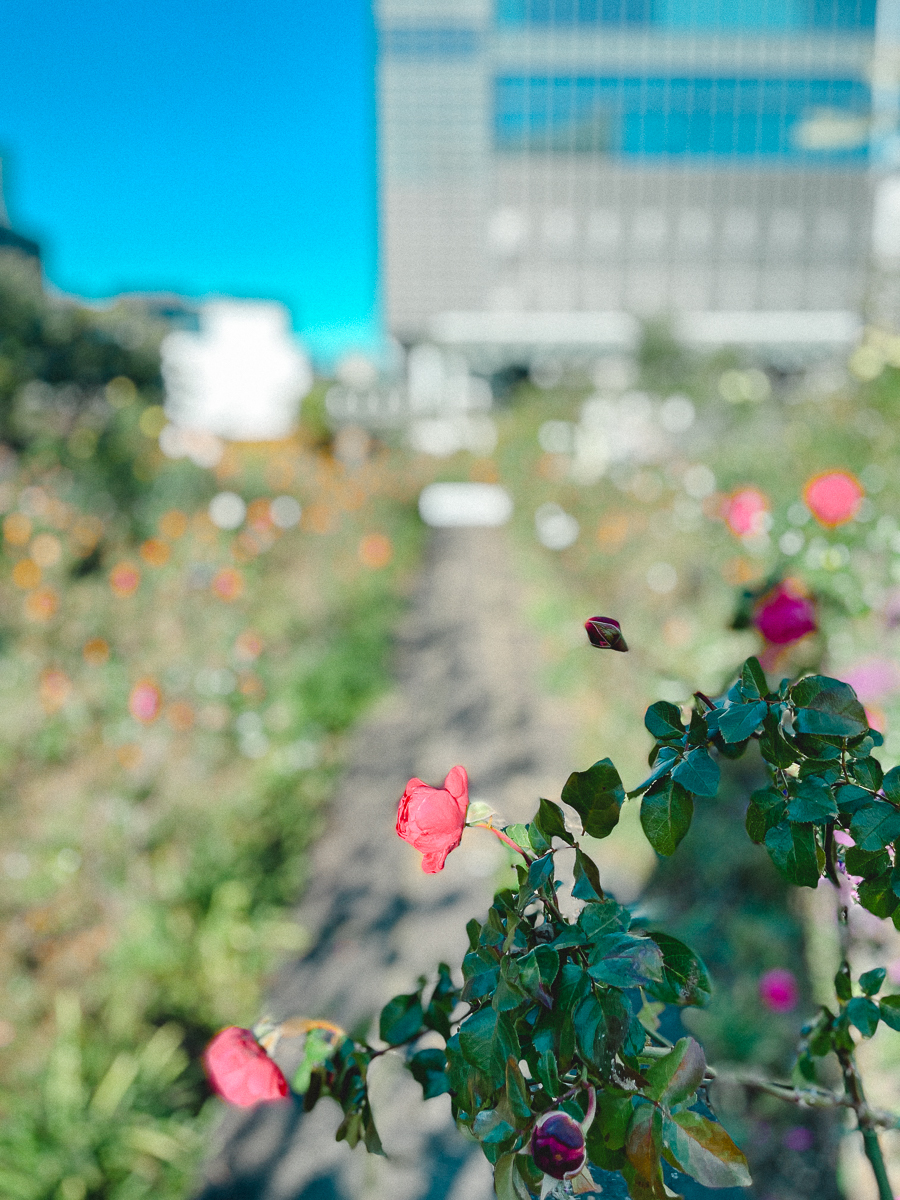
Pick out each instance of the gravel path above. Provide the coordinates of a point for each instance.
(466, 693)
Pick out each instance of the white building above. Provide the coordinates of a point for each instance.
(552, 169)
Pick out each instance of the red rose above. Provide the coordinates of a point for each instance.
(241, 1071)
(784, 615)
(433, 819)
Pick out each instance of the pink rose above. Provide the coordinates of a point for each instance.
(833, 497)
(746, 512)
(240, 1070)
(784, 615)
(433, 819)
(778, 990)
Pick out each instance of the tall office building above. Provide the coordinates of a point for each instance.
(551, 169)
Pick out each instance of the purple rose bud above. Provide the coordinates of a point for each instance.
(557, 1145)
(605, 633)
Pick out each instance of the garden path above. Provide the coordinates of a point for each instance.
(466, 693)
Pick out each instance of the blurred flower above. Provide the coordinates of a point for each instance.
(96, 651)
(26, 574)
(54, 689)
(227, 510)
(778, 990)
(124, 579)
(605, 633)
(873, 679)
(248, 646)
(799, 1138)
(251, 686)
(833, 497)
(155, 552)
(784, 614)
(180, 715)
(557, 1145)
(227, 583)
(41, 605)
(746, 512)
(172, 525)
(240, 1070)
(432, 819)
(375, 550)
(16, 529)
(46, 550)
(145, 701)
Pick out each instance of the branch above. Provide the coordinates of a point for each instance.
(807, 1097)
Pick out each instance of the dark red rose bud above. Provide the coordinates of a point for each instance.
(557, 1145)
(605, 633)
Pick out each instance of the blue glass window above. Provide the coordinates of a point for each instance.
(423, 42)
(676, 117)
(797, 15)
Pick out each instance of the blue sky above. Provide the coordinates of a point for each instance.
(199, 146)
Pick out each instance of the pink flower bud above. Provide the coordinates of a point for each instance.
(433, 819)
(784, 614)
(605, 633)
(778, 990)
(240, 1070)
(557, 1145)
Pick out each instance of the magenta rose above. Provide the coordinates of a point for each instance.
(432, 819)
(783, 615)
(240, 1070)
(557, 1145)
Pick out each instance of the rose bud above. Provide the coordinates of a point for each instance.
(605, 633)
(557, 1145)
(433, 819)
(240, 1070)
(784, 614)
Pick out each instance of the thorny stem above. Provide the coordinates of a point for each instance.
(866, 1123)
(806, 1097)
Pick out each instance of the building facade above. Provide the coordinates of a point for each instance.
(570, 165)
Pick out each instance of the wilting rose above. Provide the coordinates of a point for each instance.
(240, 1070)
(557, 1145)
(433, 819)
(784, 615)
(605, 633)
(833, 497)
(778, 990)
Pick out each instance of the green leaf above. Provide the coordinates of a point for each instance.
(643, 1145)
(473, 931)
(871, 981)
(867, 863)
(772, 744)
(891, 784)
(606, 917)
(863, 1013)
(678, 1074)
(547, 1074)
(843, 984)
(868, 773)
(875, 825)
(540, 872)
(317, 1049)
(517, 1094)
(698, 773)
(568, 937)
(508, 1183)
(665, 761)
(765, 810)
(624, 961)
(429, 1068)
(608, 1131)
(890, 1011)
(811, 801)
(401, 1019)
(878, 895)
(590, 1029)
(476, 1038)
(794, 852)
(753, 680)
(596, 795)
(827, 708)
(740, 720)
(666, 812)
(851, 797)
(551, 822)
(685, 979)
(704, 1151)
(587, 878)
(663, 720)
